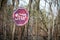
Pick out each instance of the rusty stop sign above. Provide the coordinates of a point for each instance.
(20, 16)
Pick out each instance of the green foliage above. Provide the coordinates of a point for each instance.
(9, 11)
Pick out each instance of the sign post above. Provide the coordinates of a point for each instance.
(20, 16)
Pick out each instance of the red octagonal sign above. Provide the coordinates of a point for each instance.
(20, 16)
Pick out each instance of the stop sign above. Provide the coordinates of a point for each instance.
(20, 16)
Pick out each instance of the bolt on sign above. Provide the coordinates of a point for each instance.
(20, 16)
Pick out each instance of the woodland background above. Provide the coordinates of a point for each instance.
(43, 24)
